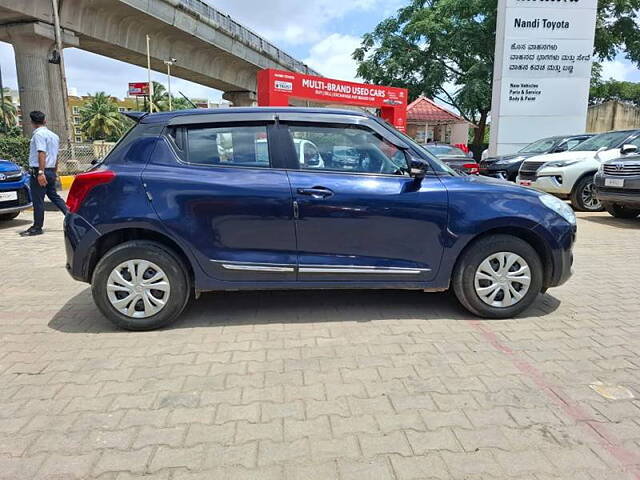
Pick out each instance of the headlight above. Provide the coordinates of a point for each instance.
(561, 163)
(510, 161)
(601, 168)
(560, 207)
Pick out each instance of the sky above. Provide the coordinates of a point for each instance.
(321, 33)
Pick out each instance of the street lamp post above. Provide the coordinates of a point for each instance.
(150, 85)
(168, 63)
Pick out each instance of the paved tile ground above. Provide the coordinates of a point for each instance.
(322, 385)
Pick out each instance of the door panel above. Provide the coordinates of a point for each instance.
(237, 219)
(371, 228)
(360, 217)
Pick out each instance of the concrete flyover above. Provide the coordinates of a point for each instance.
(212, 49)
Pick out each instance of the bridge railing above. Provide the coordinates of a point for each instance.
(233, 28)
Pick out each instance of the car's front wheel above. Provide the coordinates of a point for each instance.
(620, 211)
(140, 285)
(498, 276)
(583, 196)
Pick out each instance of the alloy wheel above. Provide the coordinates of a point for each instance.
(589, 199)
(502, 279)
(138, 288)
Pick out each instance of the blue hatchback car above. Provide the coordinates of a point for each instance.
(287, 198)
(15, 194)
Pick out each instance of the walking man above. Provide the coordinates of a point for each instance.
(43, 158)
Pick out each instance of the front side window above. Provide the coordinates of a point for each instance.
(234, 146)
(346, 149)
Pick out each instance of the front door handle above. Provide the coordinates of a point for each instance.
(316, 192)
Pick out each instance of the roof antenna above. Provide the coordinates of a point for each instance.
(187, 99)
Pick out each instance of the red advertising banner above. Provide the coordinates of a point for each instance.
(276, 87)
(138, 89)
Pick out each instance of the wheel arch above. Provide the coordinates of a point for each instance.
(525, 234)
(115, 237)
(579, 179)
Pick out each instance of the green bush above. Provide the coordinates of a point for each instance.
(15, 149)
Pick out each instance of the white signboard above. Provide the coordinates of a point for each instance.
(542, 70)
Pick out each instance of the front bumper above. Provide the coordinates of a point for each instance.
(628, 194)
(22, 203)
(560, 240)
(549, 182)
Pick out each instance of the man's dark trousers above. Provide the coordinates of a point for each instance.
(38, 192)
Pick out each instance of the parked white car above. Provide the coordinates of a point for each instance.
(569, 175)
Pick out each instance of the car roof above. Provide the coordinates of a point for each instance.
(163, 117)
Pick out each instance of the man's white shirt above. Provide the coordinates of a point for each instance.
(44, 140)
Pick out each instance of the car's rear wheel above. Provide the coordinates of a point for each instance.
(140, 285)
(583, 196)
(5, 217)
(498, 276)
(621, 211)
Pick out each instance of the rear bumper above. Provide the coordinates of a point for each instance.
(79, 242)
(505, 172)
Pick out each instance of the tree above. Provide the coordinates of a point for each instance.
(625, 92)
(100, 119)
(160, 100)
(444, 49)
(9, 112)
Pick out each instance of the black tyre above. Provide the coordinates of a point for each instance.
(5, 217)
(498, 276)
(140, 285)
(583, 196)
(620, 211)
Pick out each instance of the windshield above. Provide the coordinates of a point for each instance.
(539, 146)
(445, 150)
(438, 165)
(604, 140)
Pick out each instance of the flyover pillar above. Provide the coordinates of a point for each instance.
(39, 83)
(241, 98)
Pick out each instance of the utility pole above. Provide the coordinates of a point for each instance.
(150, 92)
(4, 113)
(63, 77)
(168, 63)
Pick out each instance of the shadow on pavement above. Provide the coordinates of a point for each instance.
(80, 315)
(610, 221)
(16, 222)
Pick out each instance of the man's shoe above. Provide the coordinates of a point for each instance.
(31, 232)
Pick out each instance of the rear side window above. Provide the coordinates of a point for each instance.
(245, 146)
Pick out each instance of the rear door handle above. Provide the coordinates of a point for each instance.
(316, 192)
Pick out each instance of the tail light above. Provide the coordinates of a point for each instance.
(83, 184)
(472, 168)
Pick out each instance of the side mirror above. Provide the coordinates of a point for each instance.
(627, 149)
(561, 148)
(417, 167)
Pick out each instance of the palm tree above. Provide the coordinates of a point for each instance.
(8, 111)
(100, 119)
(160, 98)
